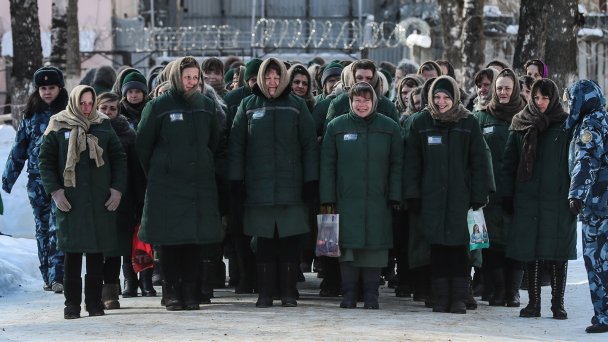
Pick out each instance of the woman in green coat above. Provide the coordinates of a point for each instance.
(274, 170)
(176, 141)
(535, 183)
(506, 274)
(446, 174)
(83, 167)
(361, 160)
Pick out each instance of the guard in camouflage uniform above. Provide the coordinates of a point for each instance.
(49, 98)
(588, 196)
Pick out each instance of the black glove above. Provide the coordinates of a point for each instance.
(507, 205)
(310, 192)
(476, 205)
(396, 205)
(576, 206)
(413, 205)
(238, 192)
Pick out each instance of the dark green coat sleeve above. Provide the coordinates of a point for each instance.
(308, 140)
(147, 131)
(480, 165)
(48, 162)
(413, 163)
(237, 145)
(510, 162)
(118, 163)
(396, 166)
(327, 184)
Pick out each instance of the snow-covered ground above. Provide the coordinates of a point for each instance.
(29, 314)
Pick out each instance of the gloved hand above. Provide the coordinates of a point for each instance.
(238, 191)
(476, 205)
(61, 201)
(576, 206)
(507, 205)
(413, 205)
(310, 192)
(396, 205)
(328, 208)
(114, 200)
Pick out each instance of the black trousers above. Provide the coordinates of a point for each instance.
(450, 261)
(180, 262)
(111, 270)
(496, 259)
(73, 265)
(284, 250)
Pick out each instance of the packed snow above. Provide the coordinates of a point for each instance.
(27, 313)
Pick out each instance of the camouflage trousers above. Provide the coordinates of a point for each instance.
(595, 252)
(51, 259)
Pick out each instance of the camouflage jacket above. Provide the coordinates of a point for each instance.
(26, 147)
(588, 157)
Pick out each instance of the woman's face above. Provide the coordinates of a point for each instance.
(483, 87)
(49, 93)
(526, 92)
(532, 70)
(86, 104)
(426, 74)
(504, 89)
(443, 102)
(405, 92)
(109, 108)
(362, 105)
(190, 78)
(417, 98)
(299, 85)
(541, 101)
(271, 81)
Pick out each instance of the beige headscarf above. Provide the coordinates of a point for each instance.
(283, 81)
(175, 76)
(73, 119)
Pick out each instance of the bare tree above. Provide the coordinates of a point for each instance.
(73, 53)
(451, 20)
(531, 33)
(59, 33)
(27, 52)
(473, 42)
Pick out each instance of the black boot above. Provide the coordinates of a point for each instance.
(559, 272)
(72, 290)
(190, 295)
(441, 294)
(330, 285)
(513, 283)
(173, 296)
(533, 272)
(460, 289)
(350, 282)
(404, 280)
(498, 279)
(157, 278)
(266, 273)
(470, 302)
(206, 282)
(131, 282)
(92, 295)
(488, 284)
(109, 296)
(288, 277)
(422, 285)
(219, 274)
(370, 286)
(145, 281)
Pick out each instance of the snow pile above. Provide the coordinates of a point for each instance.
(591, 32)
(512, 29)
(18, 219)
(18, 264)
(491, 11)
(421, 40)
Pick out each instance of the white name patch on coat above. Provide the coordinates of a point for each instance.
(350, 136)
(176, 117)
(66, 135)
(488, 130)
(258, 114)
(434, 140)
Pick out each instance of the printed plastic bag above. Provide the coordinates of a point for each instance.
(328, 235)
(477, 230)
(142, 256)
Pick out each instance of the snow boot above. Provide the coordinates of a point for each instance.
(173, 296)
(559, 271)
(350, 282)
(533, 270)
(266, 273)
(460, 288)
(72, 290)
(109, 296)
(470, 301)
(370, 286)
(514, 278)
(440, 288)
(93, 285)
(131, 282)
(498, 279)
(145, 282)
(288, 276)
(190, 295)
